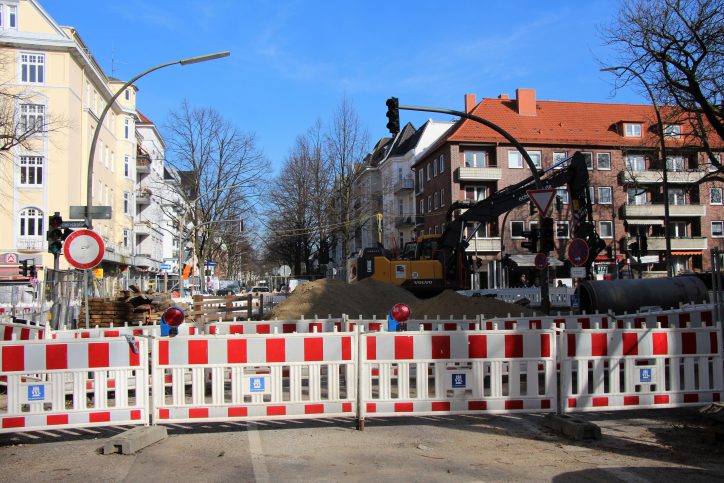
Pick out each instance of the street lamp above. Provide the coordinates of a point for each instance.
(662, 141)
(99, 124)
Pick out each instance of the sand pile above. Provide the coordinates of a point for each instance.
(370, 297)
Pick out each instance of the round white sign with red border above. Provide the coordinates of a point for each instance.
(84, 249)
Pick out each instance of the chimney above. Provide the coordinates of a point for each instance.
(469, 102)
(526, 102)
(504, 97)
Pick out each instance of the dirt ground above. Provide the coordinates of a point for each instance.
(371, 297)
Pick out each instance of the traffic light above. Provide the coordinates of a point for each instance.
(393, 114)
(55, 234)
(547, 244)
(532, 244)
(23, 268)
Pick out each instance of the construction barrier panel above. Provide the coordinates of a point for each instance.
(458, 372)
(15, 331)
(604, 369)
(255, 377)
(303, 326)
(66, 384)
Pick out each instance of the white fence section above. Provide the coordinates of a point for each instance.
(63, 384)
(559, 296)
(234, 377)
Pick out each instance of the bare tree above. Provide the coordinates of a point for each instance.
(221, 168)
(347, 146)
(676, 48)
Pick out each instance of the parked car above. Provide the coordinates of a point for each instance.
(259, 290)
(229, 289)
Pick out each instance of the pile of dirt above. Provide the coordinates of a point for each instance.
(370, 297)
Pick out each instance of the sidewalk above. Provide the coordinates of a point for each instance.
(636, 446)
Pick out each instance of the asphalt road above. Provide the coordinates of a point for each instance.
(640, 446)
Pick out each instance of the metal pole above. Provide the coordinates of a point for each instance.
(87, 299)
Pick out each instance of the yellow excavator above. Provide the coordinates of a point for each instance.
(437, 262)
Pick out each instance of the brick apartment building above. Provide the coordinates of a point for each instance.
(620, 142)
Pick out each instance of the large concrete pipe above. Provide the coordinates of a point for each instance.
(619, 296)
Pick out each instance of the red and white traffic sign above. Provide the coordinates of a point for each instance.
(542, 199)
(578, 252)
(541, 261)
(84, 249)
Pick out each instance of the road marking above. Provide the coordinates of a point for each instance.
(261, 474)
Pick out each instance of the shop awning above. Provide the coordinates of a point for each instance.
(524, 260)
(687, 253)
(645, 222)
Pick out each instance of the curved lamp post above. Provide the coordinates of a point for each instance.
(96, 133)
(662, 141)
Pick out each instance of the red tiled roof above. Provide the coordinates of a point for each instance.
(565, 123)
(144, 119)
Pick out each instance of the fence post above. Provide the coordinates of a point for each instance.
(358, 363)
(558, 366)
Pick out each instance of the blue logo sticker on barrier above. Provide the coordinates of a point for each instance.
(36, 392)
(459, 381)
(256, 384)
(645, 375)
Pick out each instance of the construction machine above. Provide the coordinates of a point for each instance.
(437, 262)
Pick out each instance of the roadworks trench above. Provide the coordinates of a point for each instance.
(369, 298)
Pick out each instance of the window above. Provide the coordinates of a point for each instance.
(605, 195)
(442, 197)
(126, 166)
(476, 193)
(603, 161)
(126, 203)
(8, 16)
(562, 193)
(677, 196)
(532, 225)
(31, 222)
(429, 203)
(515, 160)
(589, 160)
(636, 196)
(675, 163)
(672, 131)
(400, 209)
(605, 229)
(128, 94)
(563, 229)
(422, 207)
(558, 157)
(420, 180)
(127, 129)
(436, 200)
(635, 162)
(516, 229)
(429, 171)
(592, 194)
(476, 159)
(107, 157)
(32, 117)
(434, 167)
(32, 68)
(717, 228)
(678, 229)
(127, 237)
(715, 196)
(442, 163)
(632, 130)
(31, 170)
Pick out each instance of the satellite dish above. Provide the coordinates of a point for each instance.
(285, 271)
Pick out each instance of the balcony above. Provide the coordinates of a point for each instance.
(142, 228)
(143, 169)
(419, 220)
(478, 174)
(143, 197)
(405, 221)
(694, 243)
(407, 184)
(145, 260)
(29, 244)
(657, 176)
(657, 211)
(484, 245)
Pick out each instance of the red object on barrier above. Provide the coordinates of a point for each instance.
(174, 316)
(400, 312)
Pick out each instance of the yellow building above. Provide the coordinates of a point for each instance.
(54, 90)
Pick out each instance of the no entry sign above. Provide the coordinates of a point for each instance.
(84, 249)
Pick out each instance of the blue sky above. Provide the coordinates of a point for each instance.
(292, 61)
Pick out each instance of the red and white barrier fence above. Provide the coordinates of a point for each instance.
(47, 383)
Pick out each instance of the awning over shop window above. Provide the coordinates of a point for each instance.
(687, 253)
(524, 260)
(645, 222)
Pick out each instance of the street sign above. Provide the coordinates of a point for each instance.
(84, 249)
(578, 272)
(10, 259)
(285, 271)
(541, 261)
(577, 252)
(73, 224)
(542, 199)
(95, 212)
(165, 267)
